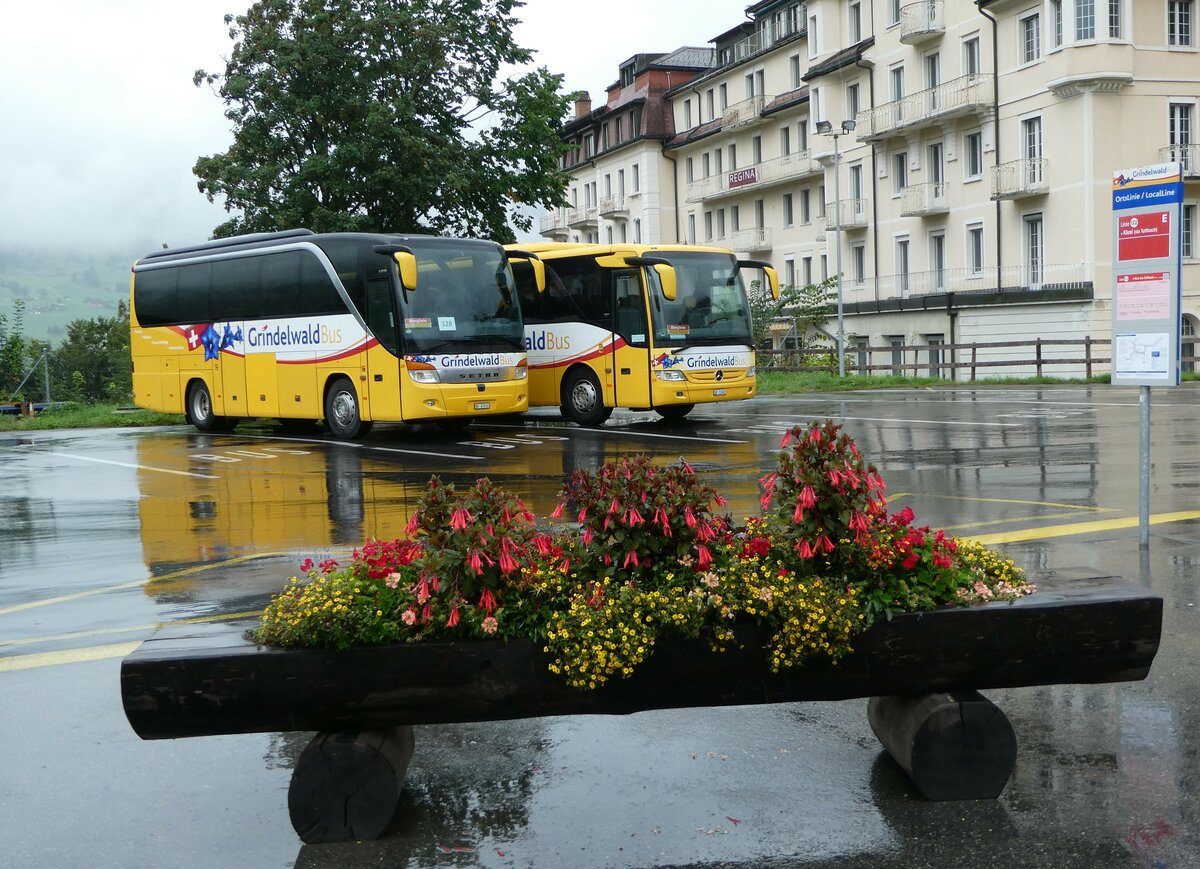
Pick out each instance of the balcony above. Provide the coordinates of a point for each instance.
(704, 188)
(922, 21)
(1187, 155)
(966, 95)
(614, 206)
(1043, 276)
(745, 112)
(554, 225)
(1019, 178)
(853, 214)
(583, 218)
(917, 200)
(751, 240)
(766, 38)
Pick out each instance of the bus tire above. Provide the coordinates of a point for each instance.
(342, 412)
(675, 412)
(199, 407)
(583, 400)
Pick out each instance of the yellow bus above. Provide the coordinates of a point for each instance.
(644, 327)
(345, 327)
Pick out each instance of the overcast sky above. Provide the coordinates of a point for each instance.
(100, 123)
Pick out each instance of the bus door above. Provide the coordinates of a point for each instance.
(631, 359)
(383, 361)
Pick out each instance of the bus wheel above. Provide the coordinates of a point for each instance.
(582, 400)
(675, 412)
(199, 407)
(341, 411)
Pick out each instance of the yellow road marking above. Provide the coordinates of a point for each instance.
(1009, 521)
(75, 635)
(1082, 528)
(67, 656)
(187, 571)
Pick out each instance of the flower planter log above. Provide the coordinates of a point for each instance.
(924, 669)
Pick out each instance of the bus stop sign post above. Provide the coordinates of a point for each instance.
(1146, 296)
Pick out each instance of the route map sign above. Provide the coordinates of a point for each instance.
(1146, 302)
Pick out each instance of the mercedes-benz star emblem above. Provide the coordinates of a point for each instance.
(720, 375)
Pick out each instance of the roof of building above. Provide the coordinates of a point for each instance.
(786, 100)
(839, 59)
(687, 57)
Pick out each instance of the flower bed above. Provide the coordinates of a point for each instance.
(635, 553)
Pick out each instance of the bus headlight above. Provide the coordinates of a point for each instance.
(751, 371)
(671, 374)
(521, 372)
(421, 372)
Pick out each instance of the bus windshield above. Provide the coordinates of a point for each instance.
(710, 306)
(465, 300)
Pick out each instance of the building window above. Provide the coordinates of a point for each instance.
(893, 12)
(789, 272)
(971, 56)
(1179, 134)
(785, 141)
(852, 101)
(821, 201)
(621, 183)
(708, 226)
(855, 22)
(1031, 38)
(975, 249)
(637, 230)
(937, 261)
(1085, 19)
(717, 161)
(720, 223)
(973, 156)
(863, 356)
(899, 172)
(806, 270)
(814, 34)
(1114, 19)
(935, 343)
(902, 263)
(802, 135)
(896, 342)
(623, 232)
(755, 151)
(787, 209)
(687, 115)
(824, 267)
(805, 207)
(1031, 136)
(858, 262)
(691, 229)
(620, 139)
(794, 64)
(724, 92)
(1179, 22)
(897, 79)
(1034, 251)
(1187, 226)
(608, 234)
(689, 170)
(710, 101)
(637, 179)
(1056, 22)
(704, 164)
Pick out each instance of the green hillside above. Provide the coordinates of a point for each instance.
(59, 286)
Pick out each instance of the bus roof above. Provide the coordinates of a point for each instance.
(273, 239)
(555, 249)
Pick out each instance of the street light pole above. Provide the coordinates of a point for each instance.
(825, 128)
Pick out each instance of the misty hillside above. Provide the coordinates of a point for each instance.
(59, 286)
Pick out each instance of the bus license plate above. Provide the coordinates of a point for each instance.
(718, 392)
(483, 405)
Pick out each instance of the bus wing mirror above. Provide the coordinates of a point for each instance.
(768, 270)
(535, 263)
(664, 270)
(405, 259)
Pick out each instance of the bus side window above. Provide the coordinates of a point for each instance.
(630, 309)
(380, 316)
(531, 304)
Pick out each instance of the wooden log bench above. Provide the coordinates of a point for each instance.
(922, 671)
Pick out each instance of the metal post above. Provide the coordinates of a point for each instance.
(837, 240)
(1144, 474)
(46, 373)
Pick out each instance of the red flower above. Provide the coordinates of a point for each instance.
(487, 602)
(703, 556)
(460, 519)
(453, 620)
(785, 440)
(306, 565)
(910, 562)
(632, 556)
(410, 527)
(475, 562)
(803, 549)
(798, 513)
(689, 517)
(507, 565)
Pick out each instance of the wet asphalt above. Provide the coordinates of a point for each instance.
(106, 535)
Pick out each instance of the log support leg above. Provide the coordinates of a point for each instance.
(956, 746)
(346, 786)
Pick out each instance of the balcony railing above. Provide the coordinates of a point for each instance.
(968, 94)
(745, 112)
(585, 216)
(852, 213)
(1188, 155)
(927, 198)
(750, 240)
(1019, 178)
(767, 37)
(554, 224)
(921, 21)
(614, 206)
(1017, 277)
(777, 170)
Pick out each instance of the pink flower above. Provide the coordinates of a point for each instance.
(393, 580)
(489, 625)
(328, 565)
(409, 616)
(807, 498)
(422, 591)
(306, 565)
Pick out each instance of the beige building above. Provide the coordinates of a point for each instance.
(967, 192)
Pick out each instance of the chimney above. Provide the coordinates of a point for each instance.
(583, 104)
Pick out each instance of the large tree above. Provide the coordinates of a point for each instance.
(383, 115)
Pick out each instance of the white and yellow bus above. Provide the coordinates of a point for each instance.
(644, 327)
(345, 327)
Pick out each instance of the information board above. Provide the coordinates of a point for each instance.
(1146, 293)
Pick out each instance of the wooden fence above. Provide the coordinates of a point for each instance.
(935, 360)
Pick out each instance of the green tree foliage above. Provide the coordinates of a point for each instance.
(809, 307)
(383, 115)
(13, 350)
(93, 363)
